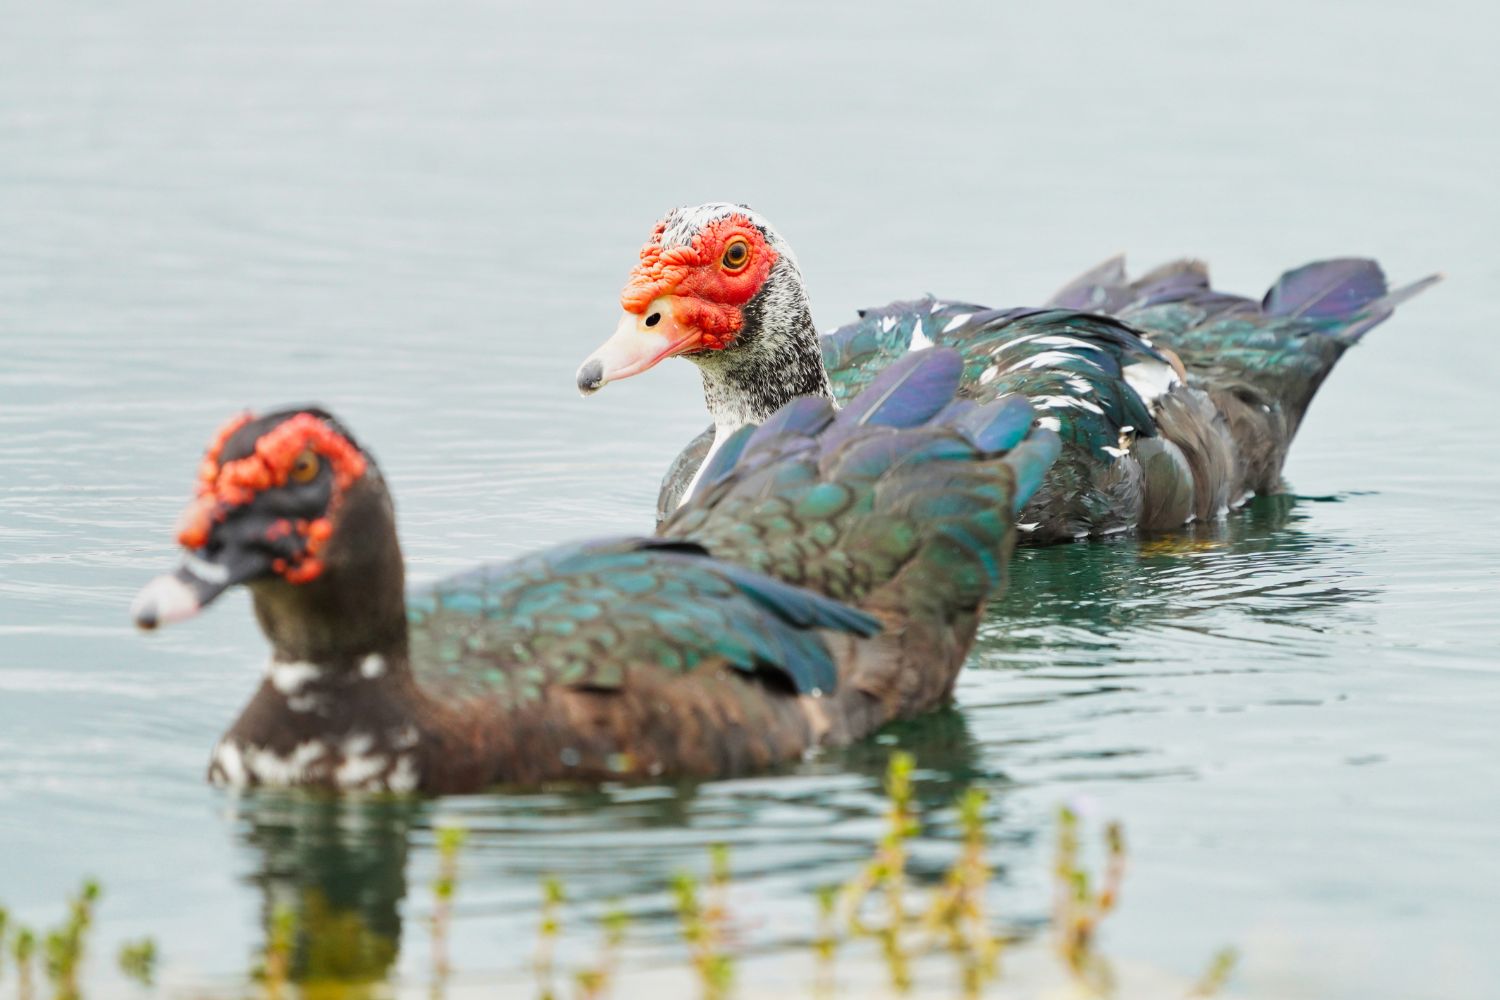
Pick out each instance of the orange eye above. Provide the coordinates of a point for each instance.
(736, 255)
(305, 468)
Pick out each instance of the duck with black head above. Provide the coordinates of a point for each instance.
(826, 577)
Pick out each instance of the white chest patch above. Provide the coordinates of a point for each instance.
(291, 678)
(228, 766)
(721, 434)
(270, 768)
(360, 767)
(236, 766)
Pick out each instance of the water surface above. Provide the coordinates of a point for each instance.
(419, 215)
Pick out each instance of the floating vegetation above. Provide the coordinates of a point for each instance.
(138, 960)
(826, 944)
(703, 924)
(315, 948)
(450, 841)
(275, 970)
(549, 928)
(23, 947)
(1079, 906)
(957, 911)
(594, 982)
(885, 873)
(1217, 974)
(63, 947)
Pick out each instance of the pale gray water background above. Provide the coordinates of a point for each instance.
(420, 214)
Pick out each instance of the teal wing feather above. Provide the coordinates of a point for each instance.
(857, 352)
(1280, 347)
(585, 614)
(905, 487)
(1069, 365)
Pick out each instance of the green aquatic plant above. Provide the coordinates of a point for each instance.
(548, 929)
(826, 943)
(450, 843)
(137, 960)
(63, 947)
(957, 911)
(275, 970)
(1211, 983)
(331, 951)
(886, 873)
(594, 981)
(702, 928)
(23, 947)
(1079, 907)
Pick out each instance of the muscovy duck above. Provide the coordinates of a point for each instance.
(1178, 406)
(827, 578)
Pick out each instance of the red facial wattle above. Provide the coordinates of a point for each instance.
(684, 299)
(224, 486)
(708, 290)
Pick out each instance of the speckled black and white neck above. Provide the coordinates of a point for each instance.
(775, 357)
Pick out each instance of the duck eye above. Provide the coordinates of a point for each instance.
(305, 468)
(736, 255)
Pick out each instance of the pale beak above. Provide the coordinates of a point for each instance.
(176, 597)
(639, 342)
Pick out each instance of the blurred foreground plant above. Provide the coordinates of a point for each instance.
(138, 960)
(703, 926)
(450, 841)
(334, 949)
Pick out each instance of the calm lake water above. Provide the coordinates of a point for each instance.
(420, 215)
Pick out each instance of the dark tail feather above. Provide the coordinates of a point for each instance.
(1107, 289)
(1175, 279)
(1092, 290)
(1348, 292)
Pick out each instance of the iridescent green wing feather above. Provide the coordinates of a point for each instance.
(906, 487)
(586, 614)
(1068, 363)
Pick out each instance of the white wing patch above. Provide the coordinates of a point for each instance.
(1059, 402)
(1151, 380)
(1046, 359)
(919, 338)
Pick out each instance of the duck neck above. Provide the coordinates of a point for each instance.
(350, 621)
(775, 358)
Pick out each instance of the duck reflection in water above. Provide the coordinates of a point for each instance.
(332, 876)
(1099, 603)
(332, 871)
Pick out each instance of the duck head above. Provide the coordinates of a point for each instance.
(289, 505)
(718, 285)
